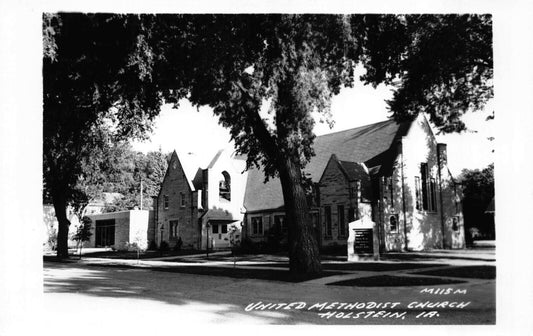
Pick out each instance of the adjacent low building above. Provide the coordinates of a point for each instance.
(122, 230)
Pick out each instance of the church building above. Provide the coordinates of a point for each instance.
(393, 175)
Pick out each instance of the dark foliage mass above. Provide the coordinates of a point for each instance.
(478, 189)
(123, 67)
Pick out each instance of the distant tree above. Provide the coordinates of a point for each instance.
(83, 233)
(132, 168)
(478, 190)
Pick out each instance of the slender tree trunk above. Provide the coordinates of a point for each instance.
(60, 207)
(304, 256)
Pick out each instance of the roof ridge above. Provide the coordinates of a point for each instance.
(354, 128)
(215, 159)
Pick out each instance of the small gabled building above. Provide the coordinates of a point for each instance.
(197, 206)
(222, 186)
(345, 195)
(177, 204)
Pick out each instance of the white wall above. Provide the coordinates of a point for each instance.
(235, 169)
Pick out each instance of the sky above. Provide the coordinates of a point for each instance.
(191, 130)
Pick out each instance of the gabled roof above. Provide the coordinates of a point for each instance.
(358, 172)
(370, 144)
(215, 159)
(188, 164)
(353, 171)
(261, 196)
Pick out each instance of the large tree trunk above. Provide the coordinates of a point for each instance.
(304, 257)
(60, 207)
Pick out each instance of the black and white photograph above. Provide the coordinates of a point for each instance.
(267, 167)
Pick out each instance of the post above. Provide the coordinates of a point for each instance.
(141, 193)
(207, 239)
(161, 240)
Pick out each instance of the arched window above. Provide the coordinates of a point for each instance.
(393, 222)
(224, 186)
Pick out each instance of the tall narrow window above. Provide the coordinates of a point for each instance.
(279, 223)
(257, 225)
(351, 192)
(165, 201)
(224, 187)
(424, 174)
(173, 227)
(433, 194)
(327, 214)
(182, 200)
(418, 193)
(391, 190)
(342, 223)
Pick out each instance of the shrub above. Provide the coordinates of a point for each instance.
(152, 246)
(178, 244)
(51, 241)
(273, 243)
(164, 246)
(247, 246)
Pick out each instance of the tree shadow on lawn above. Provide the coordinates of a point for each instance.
(142, 255)
(227, 271)
(208, 299)
(394, 281)
(357, 266)
(241, 273)
(103, 283)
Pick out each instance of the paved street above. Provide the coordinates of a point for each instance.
(147, 291)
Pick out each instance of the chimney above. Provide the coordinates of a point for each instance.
(442, 156)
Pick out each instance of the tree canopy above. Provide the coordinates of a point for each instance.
(95, 70)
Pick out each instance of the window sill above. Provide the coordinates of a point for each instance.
(427, 212)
